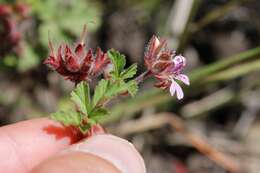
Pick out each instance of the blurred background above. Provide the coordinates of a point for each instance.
(215, 129)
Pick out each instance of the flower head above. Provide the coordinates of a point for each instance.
(12, 16)
(165, 66)
(76, 64)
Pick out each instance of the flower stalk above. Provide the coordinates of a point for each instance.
(143, 76)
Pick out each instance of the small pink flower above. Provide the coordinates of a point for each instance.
(165, 66)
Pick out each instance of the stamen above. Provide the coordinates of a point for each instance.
(50, 44)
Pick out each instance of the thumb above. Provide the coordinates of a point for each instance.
(98, 154)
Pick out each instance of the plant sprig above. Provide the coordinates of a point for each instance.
(81, 66)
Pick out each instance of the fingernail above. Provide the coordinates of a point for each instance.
(119, 152)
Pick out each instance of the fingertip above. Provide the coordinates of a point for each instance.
(76, 162)
(32, 141)
(98, 154)
(117, 151)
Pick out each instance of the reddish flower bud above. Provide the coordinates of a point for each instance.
(77, 64)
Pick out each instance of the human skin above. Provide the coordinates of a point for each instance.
(42, 145)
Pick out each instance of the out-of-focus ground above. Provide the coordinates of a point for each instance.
(215, 129)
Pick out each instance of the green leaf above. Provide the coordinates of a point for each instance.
(91, 122)
(81, 96)
(98, 114)
(132, 87)
(84, 128)
(116, 88)
(129, 72)
(120, 87)
(118, 61)
(67, 118)
(100, 91)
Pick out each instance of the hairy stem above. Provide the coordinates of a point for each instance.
(143, 76)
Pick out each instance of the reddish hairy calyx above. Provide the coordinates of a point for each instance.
(77, 64)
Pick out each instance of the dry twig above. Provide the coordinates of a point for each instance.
(161, 119)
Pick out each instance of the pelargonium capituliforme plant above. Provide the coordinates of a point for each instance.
(81, 66)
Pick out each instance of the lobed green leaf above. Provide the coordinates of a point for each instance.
(129, 72)
(67, 118)
(118, 61)
(81, 97)
(132, 87)
(100, 91)
(98, 114)
(84, 128)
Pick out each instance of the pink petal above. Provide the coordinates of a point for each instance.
(156, 42)
(152, 45)
(184, 78)
(172, 89)
(179, 60)
(175, 87)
